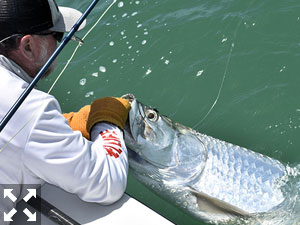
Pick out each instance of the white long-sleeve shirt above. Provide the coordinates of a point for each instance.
(37, 146)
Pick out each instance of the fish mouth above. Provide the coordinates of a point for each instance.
(131, 115)
(131, 129)
(130, 97)
(136, 114)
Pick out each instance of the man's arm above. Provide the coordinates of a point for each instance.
(94, 170)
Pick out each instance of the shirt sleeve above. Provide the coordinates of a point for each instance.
(94, 170)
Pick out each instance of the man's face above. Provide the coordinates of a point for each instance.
(47, 45)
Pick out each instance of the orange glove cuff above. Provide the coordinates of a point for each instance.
(78, 120)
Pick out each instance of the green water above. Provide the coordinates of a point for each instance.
(237, 60)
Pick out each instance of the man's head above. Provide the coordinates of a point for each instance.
(30, 30)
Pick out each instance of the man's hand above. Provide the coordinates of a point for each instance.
(107, 109)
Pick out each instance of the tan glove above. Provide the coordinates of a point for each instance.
(108, 109)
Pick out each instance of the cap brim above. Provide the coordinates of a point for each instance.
(68, 18)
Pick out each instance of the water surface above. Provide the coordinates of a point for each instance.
(229, 69)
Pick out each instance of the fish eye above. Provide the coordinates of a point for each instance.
(151, 115)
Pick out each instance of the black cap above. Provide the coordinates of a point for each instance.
(31, 16)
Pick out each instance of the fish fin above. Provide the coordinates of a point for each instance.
(213, 205)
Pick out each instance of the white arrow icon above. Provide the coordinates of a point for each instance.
(8, 193)
(8, 216)
(31, 193)
(31, 217)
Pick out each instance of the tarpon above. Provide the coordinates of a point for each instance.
(209, 178)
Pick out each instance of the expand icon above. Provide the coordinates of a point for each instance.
(8, 193)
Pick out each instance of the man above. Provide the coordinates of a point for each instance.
(38, 145)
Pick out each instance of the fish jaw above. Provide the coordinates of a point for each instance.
(132, 129)
(133, 113)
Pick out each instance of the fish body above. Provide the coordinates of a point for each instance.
(209, 178)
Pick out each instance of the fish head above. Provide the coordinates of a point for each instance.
(151, 135)
(168, 146)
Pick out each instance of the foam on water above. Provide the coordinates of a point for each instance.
(102, 69)
(82, 82)
(120, 4)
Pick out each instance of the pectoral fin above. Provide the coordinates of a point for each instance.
(215, 206)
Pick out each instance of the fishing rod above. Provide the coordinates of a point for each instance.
(51, 212)
(40, 74)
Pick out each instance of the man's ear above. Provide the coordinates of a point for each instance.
(27, 47)
(27, 54)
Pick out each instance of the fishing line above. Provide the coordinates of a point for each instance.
(78, 45)
(59, 76)
(225, 71)
(26, 123)
(223, 79)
